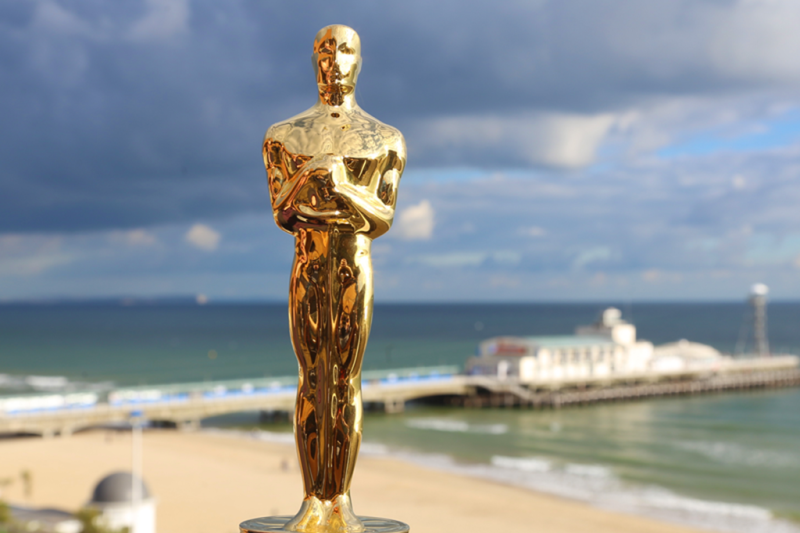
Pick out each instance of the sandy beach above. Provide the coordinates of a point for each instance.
(208, 483)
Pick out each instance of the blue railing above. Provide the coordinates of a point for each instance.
(214, 390)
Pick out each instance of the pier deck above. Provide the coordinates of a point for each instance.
(186, 404)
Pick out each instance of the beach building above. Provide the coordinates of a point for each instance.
(111, 499)
(114, 497)
(606, 349)
(45, 520)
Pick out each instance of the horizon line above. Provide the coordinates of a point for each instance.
(187, 300)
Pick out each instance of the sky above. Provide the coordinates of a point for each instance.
(564, 150)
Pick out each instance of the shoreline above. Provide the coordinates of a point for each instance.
(209, 482)
(591, 485)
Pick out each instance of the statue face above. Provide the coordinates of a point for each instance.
(337, 57)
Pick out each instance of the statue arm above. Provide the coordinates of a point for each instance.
(376, 202)
(373, 203)
(284, 173)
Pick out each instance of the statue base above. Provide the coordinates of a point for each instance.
(274, 524)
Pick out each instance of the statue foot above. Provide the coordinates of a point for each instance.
(326, 516)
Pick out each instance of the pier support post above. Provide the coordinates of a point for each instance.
(394, 405)
(192, 424)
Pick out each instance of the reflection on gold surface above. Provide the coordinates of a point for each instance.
(333, 172)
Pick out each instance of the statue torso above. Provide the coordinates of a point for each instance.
(325, 170)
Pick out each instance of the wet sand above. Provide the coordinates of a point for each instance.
(208, 483)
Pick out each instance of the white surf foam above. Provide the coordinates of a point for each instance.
(736, 454)
(597, 471)
(527, 464)
(456, 426)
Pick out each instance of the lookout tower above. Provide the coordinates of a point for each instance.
(758, 300)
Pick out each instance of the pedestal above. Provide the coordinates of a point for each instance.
(274, 524)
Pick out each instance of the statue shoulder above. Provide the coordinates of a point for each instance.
(389, 136)
(394, 139)
(280, 131)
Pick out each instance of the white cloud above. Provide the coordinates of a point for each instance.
(51, 17)
(23, 255)
(203, 237)
(164, 18)
(533, 231)
(564, 140)
(772, 249)
(757, 39)
(598, 280)
(507, 257)
(651, 275)
(508, 282)
(455, 259)
(416, 222)
(8, 242)
(32, 265)
(655, 275)
(135, 237)
(140, 237)
(591, 255)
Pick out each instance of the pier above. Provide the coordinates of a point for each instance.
(186, 404)
(491, 394)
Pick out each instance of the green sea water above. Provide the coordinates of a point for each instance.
(728, 462)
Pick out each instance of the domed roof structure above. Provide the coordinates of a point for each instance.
(759, 289)
(117, 488)
(687, 350)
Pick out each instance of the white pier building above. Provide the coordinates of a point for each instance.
(607, 349)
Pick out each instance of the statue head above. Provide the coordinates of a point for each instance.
(337, 62)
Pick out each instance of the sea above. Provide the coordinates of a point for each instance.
(723, 462)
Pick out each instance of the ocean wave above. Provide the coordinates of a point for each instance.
(730, 453)
(456, 426)
(663, 499)
(36, 383)
(11, 384)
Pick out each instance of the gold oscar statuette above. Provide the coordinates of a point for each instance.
(333, 172)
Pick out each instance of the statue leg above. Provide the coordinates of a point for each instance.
(330, 313)
(351, 310)
(307, 324)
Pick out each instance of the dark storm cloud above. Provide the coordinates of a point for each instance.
(125, 114)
